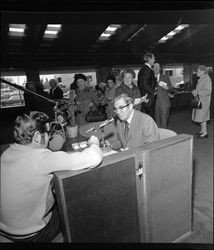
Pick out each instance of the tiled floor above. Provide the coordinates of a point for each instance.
(181, 122)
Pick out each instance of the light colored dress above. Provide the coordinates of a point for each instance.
(204, 90)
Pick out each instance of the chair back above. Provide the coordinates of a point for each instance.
(165, 133)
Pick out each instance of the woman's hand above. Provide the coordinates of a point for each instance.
(194, 92)
(144, 98)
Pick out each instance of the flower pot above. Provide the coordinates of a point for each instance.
(72, 131)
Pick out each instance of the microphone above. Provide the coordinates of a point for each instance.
(103, 124)
(91, 129)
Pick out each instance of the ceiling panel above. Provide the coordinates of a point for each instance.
(76, 44)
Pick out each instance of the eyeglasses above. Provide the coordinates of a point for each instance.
(120, 108)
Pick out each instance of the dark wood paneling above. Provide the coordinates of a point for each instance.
(116, 203)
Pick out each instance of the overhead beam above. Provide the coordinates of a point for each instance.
(201, 16)
(187, 34)
(33, 38)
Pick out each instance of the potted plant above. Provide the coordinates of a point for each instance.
(72, 127)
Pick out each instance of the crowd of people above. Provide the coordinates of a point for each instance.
(28, 209)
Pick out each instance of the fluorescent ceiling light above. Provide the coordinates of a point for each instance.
(110, 28)
(20, 30)
(164, 38)
(102, 38)
(16, 30)
(51, 32)
(172, 33)
(54, 25)
(182, 26)
(105, 35)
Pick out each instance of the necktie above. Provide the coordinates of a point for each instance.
(126, 130)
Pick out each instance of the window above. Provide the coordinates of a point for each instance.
(175, 73)
(11, 96)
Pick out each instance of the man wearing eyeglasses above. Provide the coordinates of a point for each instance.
(28, 210)
(134, 128)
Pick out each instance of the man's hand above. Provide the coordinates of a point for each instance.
(93, 140)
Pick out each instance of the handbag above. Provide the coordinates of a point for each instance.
(196, 102)
(96, 115)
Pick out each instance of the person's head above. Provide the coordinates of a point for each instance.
(149, 58)
(32, 129)
(30, 86)
(201, 70)
(110, 81)
(128, 76)
(123, 106)
(81, 81)
(53, 83)
(156, 68)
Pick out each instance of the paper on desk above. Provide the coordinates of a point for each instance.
(161, 83)
(78, 145)
(109, 152)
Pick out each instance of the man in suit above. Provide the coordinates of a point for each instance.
(147, 84)
(134, 128)
(55, 91)
(162, 104)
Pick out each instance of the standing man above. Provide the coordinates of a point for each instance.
(147, 84)
(162, 104)
(134, 128)
(55, 91)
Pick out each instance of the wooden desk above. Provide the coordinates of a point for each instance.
(138, 195)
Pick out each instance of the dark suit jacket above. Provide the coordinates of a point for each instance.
(146, 83)
(57, 93)
(29, 102)
(142, 130)
(43, 105)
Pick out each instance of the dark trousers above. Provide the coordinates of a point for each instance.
(149, 108)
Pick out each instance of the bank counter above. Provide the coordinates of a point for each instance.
(138, 195)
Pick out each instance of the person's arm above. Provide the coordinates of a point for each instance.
(151, 131)
(206, 89)
(144, 83)
(58, 161)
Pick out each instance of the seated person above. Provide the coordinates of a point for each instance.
(134, 128)
(28, 210)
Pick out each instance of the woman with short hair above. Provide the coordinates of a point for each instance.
(203, 90)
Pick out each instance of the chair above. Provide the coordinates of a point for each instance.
(165, 133)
